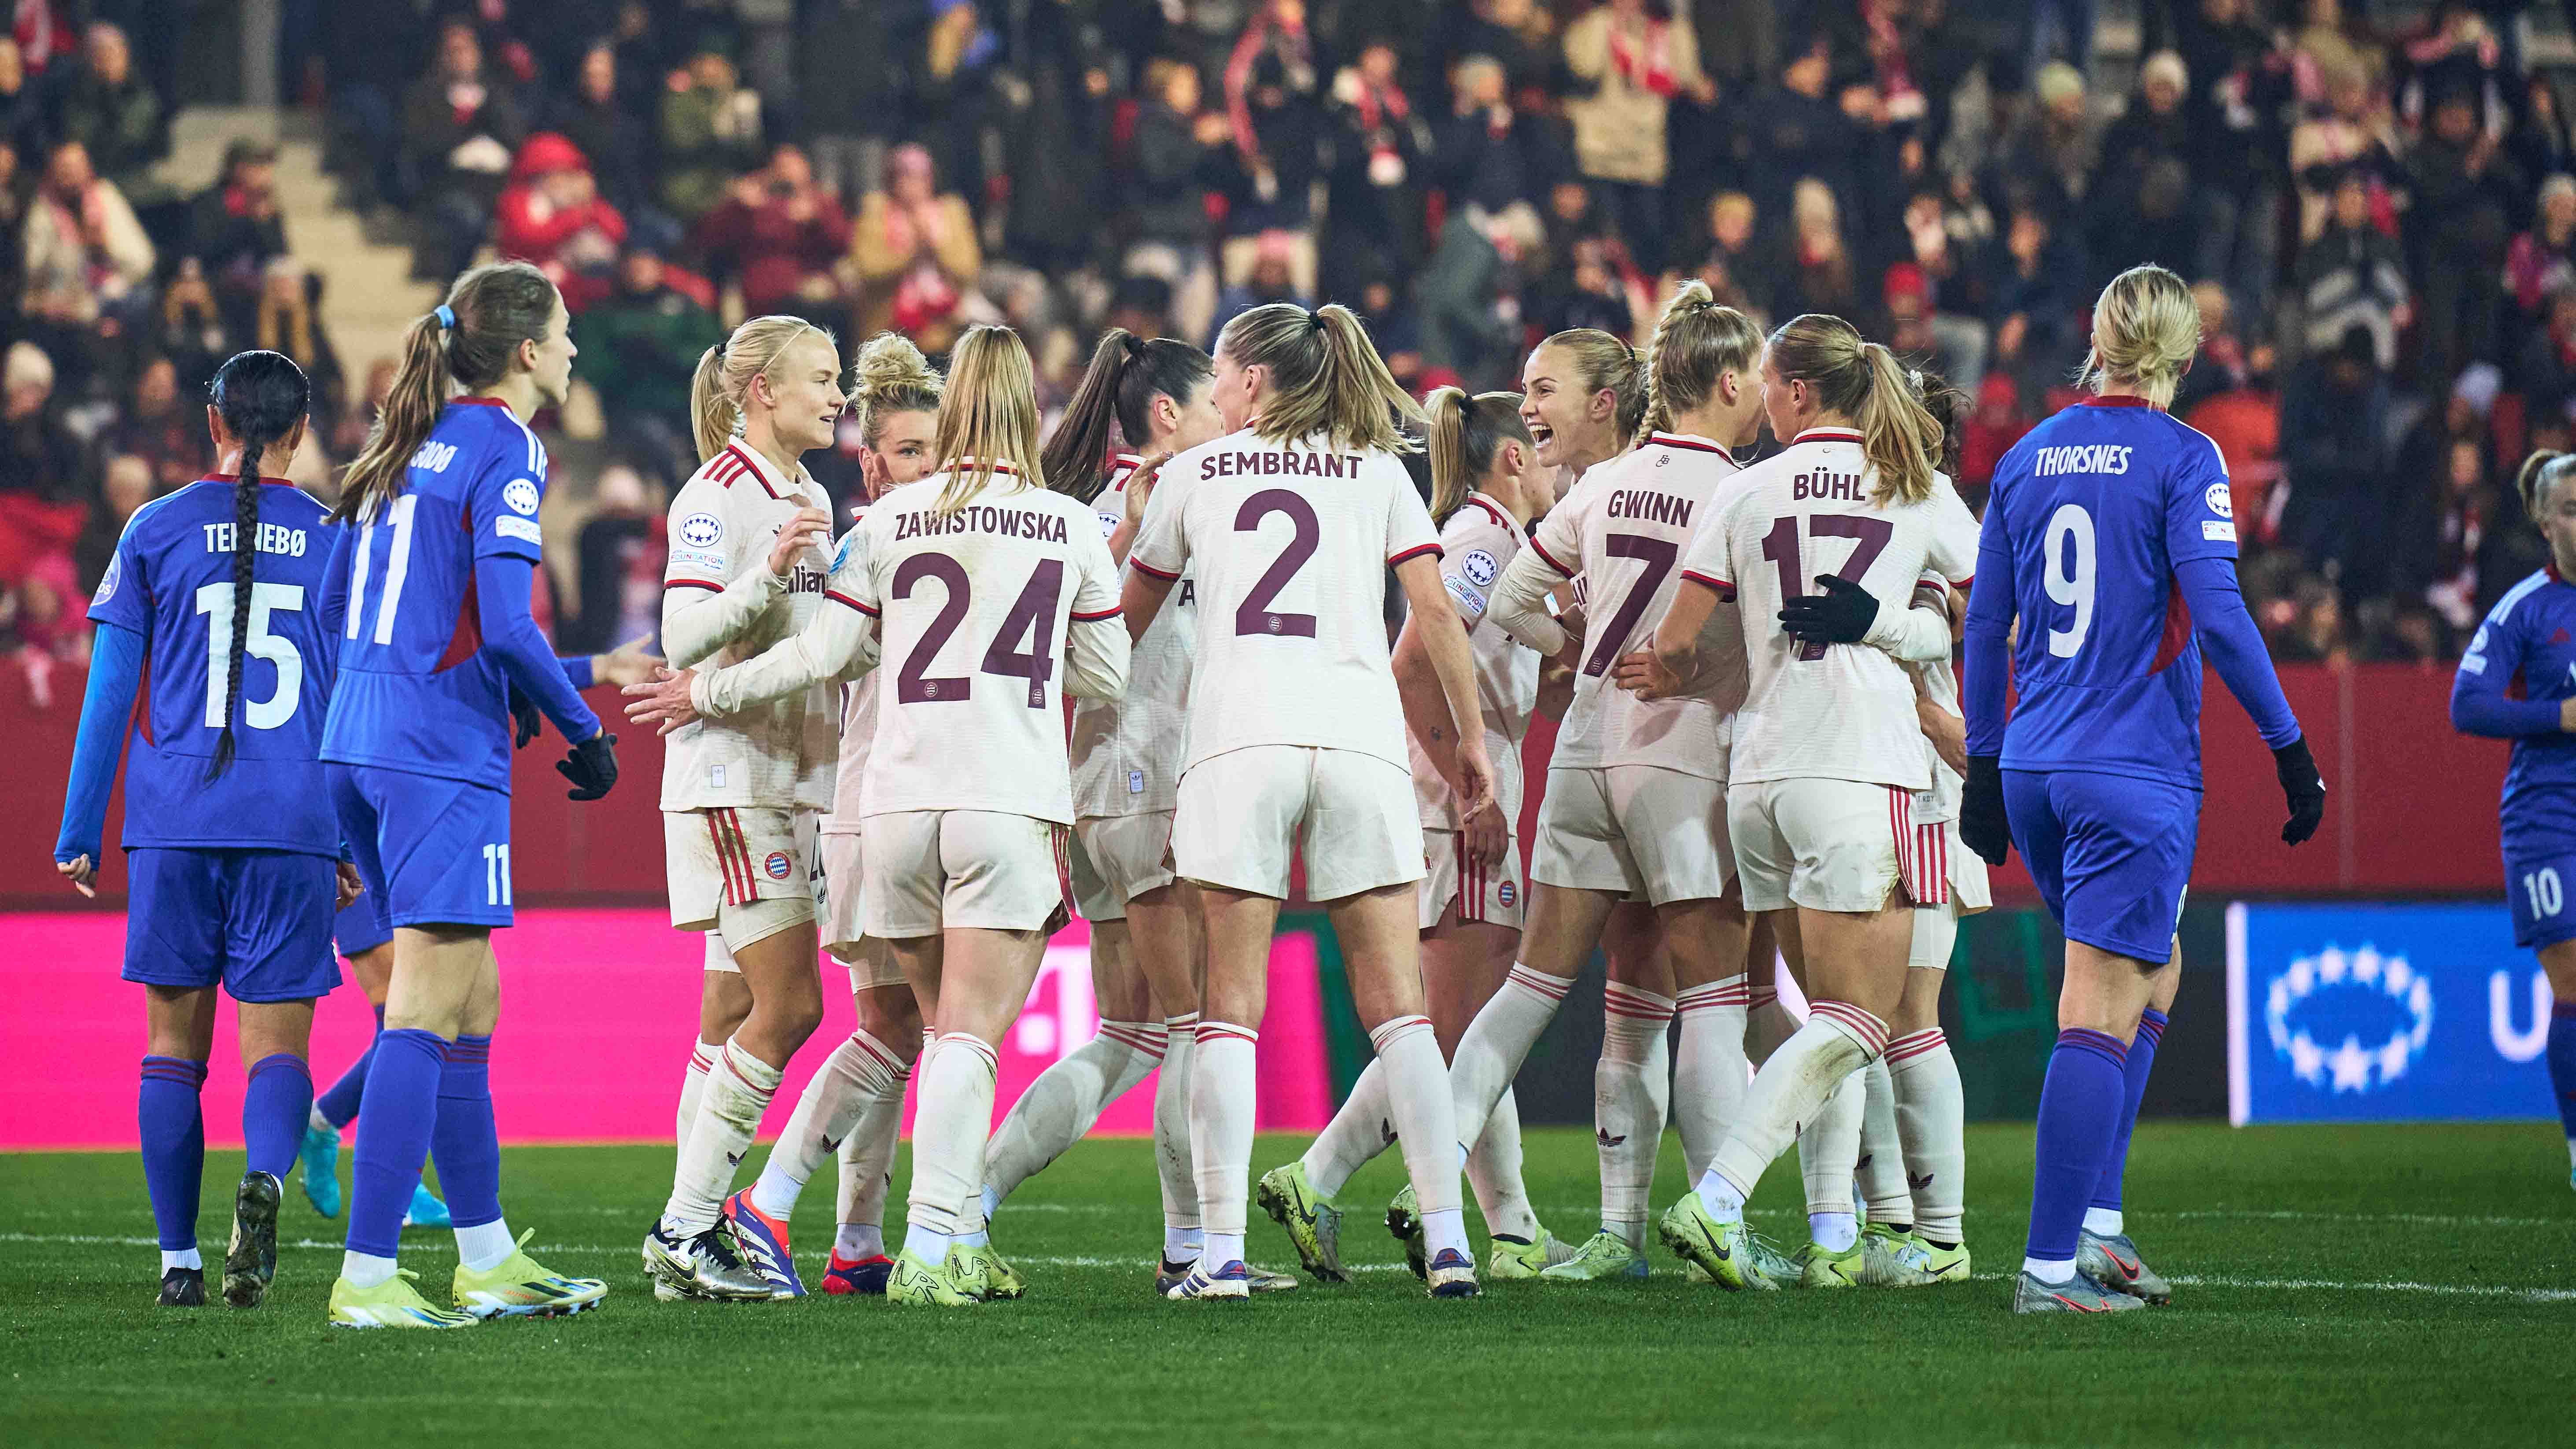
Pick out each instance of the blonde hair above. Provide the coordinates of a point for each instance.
(2540, 472)
(725, 373)
(1696, 342)
(891, 376)
(1603, 363)
(2146, 327)
(1864, 382)
(988, 415)
(1325, 377)
(1464, 435)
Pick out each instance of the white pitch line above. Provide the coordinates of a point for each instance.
(2421, 1220)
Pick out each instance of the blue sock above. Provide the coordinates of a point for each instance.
(274, 1108)
(2141, 1060)
(2079, 1109)
(393, 1140)
(340, 1104)
(465, 1141)
(174, 1146)
(2562, 1064)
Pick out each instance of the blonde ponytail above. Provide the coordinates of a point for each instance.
(1463, 436)
(2146, 329)
(987, 416)
(1864, 382)
(1695, 343)
(1325, 377)
(725, 373)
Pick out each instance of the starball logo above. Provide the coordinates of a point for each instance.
(2349, 1021)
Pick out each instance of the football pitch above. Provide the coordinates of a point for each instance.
(2362, 1285)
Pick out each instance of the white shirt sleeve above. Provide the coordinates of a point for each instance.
(1096, 646)
(702, 614)
(1162, 546)
(1520, 602)
(839, 643)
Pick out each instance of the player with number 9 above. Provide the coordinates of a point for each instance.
(2110, 533)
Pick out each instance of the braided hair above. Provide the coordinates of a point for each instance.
(261, 397)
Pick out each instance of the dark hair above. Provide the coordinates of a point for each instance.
(1949, 408)
(488, 313)
(261, 396)
(1126, 374)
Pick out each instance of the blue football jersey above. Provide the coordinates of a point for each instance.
(416, 691)
(2527, 649)
(2090, 513)
(171, 582)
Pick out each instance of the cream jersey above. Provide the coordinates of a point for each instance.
(858, 731)
(988, 616)
(1290, 543)
(721, 605)
(1478, 542)
(1839, 711)
(1622, 531)
(1938, 681)
(1127, 751)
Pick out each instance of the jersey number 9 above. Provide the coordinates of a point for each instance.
(2070, 575)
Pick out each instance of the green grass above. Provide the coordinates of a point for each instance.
(2398, 1285)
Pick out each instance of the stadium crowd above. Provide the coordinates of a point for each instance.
(2380, 222)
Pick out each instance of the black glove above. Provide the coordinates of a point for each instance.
(1982, 821)
(592, 767)
(2302, 787)
(1839, 615)
(523, 715)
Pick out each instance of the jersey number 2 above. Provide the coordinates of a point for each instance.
(1254, 615)
(215, 601)
(1031, 617)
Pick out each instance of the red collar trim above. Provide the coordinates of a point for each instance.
(2122, 400)
(1500, 515)
(229, 480)
(1826, 435)
(759, 469)
(1688, 443)
(479, 401)
(997, 465)
(1127, 460)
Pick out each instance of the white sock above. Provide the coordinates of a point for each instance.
(1181, 1245)
(1710, 1074)
(485, 1248)
(1829, 1147)
(1417, 1098)
(858, 1071)
(1361, 1130)
(1931, 1120)
(2104, 1222)
(857, 1242)
(363, 1270)
(693, 1085)
(315, 1121)
(737, 1093)
(185, 1258)
(1056, 1110)
(1767, 1024)
(948, 1134)
(1723, 1199)
(1222, 1092)
(1446, 1231)
(1172, 1160)
(1833, 1232)
(926, 1243)
(867, 1157)
(2051, 1271)
(1494, 1171)
(1797, 1080)
(1629, 1086)
(1882, 1149)
(1498, 1041)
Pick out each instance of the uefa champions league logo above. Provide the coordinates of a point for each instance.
(2381, 1007)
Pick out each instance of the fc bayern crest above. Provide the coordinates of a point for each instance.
(778, 865)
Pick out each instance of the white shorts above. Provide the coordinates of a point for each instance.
(1936, 933)
(719, 956)
(843, 935)
(1244, 814)
(1827, 845)
(1639, 830)
(929, 869)
(1488, 894)
(734, 856)
(1114, 859)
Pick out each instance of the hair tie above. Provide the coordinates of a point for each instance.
(446, 316)
(721, 344)
(1135, 346)
(1314, 321)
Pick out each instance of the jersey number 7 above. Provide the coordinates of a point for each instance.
(1780, 547)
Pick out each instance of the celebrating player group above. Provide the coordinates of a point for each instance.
(1143, 671)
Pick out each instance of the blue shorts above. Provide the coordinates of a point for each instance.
(257, 921)
(2111, 854)
(2538, 883)
(365, 923)
(441, 848)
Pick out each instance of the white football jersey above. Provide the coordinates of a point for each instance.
(988, 618)
(1838, 711)
(1623, 531)
(1477, 543)
(1290, 543)
(1938, 681)
(721, 605)
(1127, 751)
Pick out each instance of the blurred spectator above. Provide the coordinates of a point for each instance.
(1635, 60)
(1585, 291)
(856, 60)
(2049, 151)
(124, 486)
(2350, 136)
(2240, 88)
(2334, 448)
(235, 228)
(779, 234)
(1380, 147)
(552, 214)
(2461, 185)
(1274, 102)
(22, 107)
(1741, 268)
(2543, 259)
(1469, 293)
(2351, 277)
(289, 322)
(2450, 511)
(88, 263)
(596, 117)
(710, 133)
(1273, 279)
(1487, 152)
(643, 342)
(2547, 375)
(2315, 634)
(17, 197)
(1394, 328)
(1945, 285)
(108, 108)
(44, 501)
(157, 430)
(348, 429)
(1996, 423)
(459, 127)
(1179, 155)
(2245, 422)
(1791, 131)
(1822, 275)
(188, 329)
(913, 254)
(621, 551)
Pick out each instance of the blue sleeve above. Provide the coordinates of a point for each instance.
(2200, 514)
(501, 503)
(124, 596)
(2480, 702)
(115, 675)
(511, 636)
(2235, 646)
(577, 671)
(1987, 666)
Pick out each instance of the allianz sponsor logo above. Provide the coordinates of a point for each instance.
(2349, 1021)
